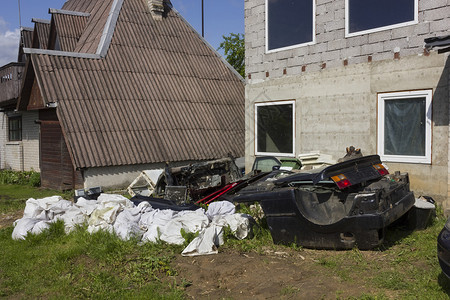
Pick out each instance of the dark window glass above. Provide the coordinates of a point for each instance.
(290, 22)
(370, 14)
(404, 127)
(274, 128)
(15, 128)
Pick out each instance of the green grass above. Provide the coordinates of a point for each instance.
(406, 266)
(13, 196)
(98, 266)
(81, 265)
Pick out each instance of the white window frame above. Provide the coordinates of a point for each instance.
(382, 97)
(293, 46)
(347, 19)
(293, 127)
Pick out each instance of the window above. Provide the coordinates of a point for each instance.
(15, 128)
(404, 126)
(275, 128)
(289, 24)
(365, 16)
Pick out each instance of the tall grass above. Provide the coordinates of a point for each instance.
(83, 265)
(30, 178)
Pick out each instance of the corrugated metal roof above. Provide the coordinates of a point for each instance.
(160, 94)
(26, 37)
(41, 33)
(69, 29)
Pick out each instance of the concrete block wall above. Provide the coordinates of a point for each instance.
(120, 177)
(337, 107)
(332, 48)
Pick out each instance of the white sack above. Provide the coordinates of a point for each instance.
(212, 237)
(38, 208)
(40, 226)
(86, 206)
(190, 221)
(220, 208)
(206, 243)
(22, 227)
(74, 216)
(152, 222)
(104, 215)
(238, 223)
(127, 222)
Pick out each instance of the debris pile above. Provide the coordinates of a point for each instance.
(117, 214)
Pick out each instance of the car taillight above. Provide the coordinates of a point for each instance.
(381, 169)
(341, 181)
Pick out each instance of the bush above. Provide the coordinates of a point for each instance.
(30, 178)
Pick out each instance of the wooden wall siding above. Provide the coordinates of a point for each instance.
(36, 101)
(10, 81)
(57, 171)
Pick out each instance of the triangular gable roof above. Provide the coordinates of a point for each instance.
(41, 33)
(26, 41)
(67, 28)
(160, 93)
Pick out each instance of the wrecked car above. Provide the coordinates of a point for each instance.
(345, 205)
(192, 182)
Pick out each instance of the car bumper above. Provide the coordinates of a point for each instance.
(365, 231)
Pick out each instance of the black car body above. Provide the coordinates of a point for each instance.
(443, 249)
(337, 207)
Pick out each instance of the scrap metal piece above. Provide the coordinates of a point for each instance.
(145, 183)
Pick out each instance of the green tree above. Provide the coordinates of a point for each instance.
(234, 49)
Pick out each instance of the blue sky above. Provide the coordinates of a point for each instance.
(221, 18)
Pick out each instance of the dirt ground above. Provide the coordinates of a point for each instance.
(6, 219)
(285, 274)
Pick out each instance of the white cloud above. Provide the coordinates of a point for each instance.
(9, 43)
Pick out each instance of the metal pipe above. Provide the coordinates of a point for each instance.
(203, 21)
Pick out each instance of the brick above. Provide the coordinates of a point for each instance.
(320, 2)
(430, 4)
(381, 36)
(334, 25)
(436, 14)
(357, 40)
(300, 51)
(313, 58)
(317, 48)
(350, 52)
(284, 54)
(441, 25)
(279, 64)
(321, 9)
(260, 9)
(328, 16)
(392, 44)
(336, 44)
(324, 37)
(295, 61)
(422, 28)
(369, 49)
(403, 32)
(331, 55)
(339, 14)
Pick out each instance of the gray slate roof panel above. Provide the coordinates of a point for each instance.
(160, 94)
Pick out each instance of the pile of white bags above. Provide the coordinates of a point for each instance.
(115, 213)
